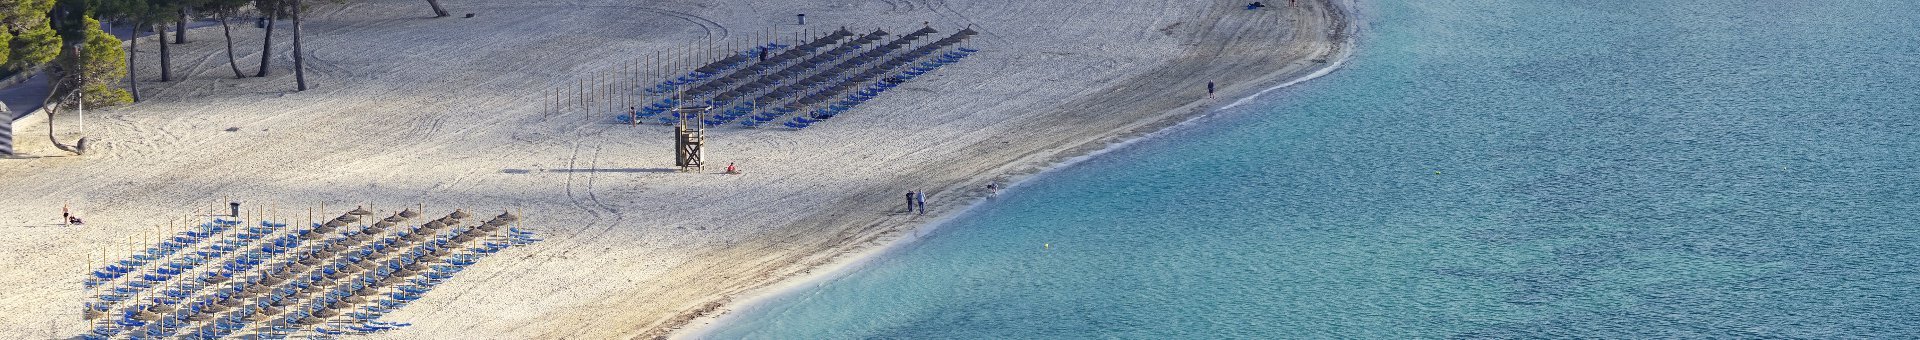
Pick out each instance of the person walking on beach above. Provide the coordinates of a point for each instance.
(910, 196)
(1209, 89)
(920, 198)
(993, 189)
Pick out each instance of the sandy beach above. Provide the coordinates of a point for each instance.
(454, 113)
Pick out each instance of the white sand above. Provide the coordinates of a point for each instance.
(449, 113)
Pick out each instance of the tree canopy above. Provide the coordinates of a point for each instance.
(29, 34)
(99, 66)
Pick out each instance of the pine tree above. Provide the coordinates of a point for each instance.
(224, 11)
(99, 64)
(160, 13)
(270, 9)
(438, 12)
(299, 55)
(30, 37)
(131, 13)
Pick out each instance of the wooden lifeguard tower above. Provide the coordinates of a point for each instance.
(689, 138)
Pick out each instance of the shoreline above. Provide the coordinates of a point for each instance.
(621, 259)
(846, 262)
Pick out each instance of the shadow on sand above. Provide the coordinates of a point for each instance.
(629, 170)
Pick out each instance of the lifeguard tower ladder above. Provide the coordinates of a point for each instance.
(689, 138)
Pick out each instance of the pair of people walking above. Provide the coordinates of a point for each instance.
(917, 199)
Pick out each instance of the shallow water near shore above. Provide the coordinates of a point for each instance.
(1508, 169)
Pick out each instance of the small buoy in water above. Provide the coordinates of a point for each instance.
(1046, 245)
(1436, 172)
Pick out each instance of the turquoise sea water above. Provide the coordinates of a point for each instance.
(1487, 168)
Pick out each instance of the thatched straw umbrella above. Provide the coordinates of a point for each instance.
(409, 213)
(144, 315)
(459, 214)
(363, 263)
(348, 218)
(272, 280)
(213, 308)
(395, 218)
(361, 211)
